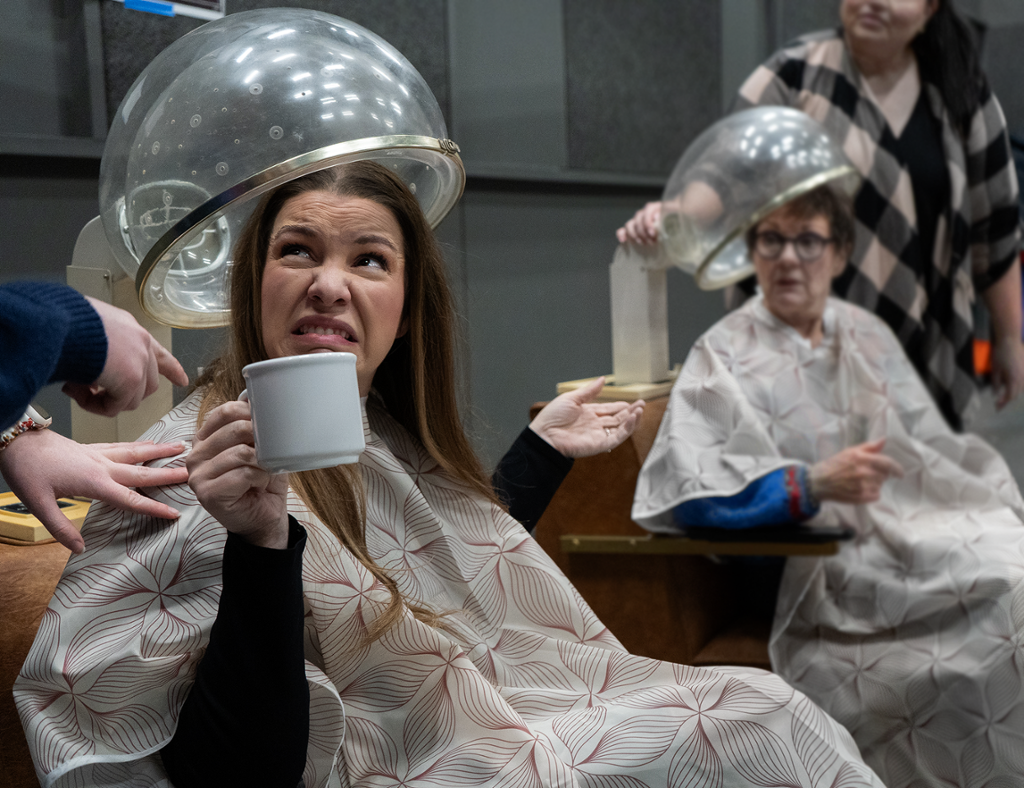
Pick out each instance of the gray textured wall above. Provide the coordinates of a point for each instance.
(1002, 61)
(529, 247)
(41, 74)
(795, 17)
(643, 79)
(507, 69)
(569, 114)
(415, 27)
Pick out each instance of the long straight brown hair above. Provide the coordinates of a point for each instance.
(416, 381)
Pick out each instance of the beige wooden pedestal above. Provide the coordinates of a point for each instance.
(95, 272)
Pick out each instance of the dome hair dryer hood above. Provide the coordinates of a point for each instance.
(738, 171)
(232, 110)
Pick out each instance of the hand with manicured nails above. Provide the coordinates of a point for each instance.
(41, 466)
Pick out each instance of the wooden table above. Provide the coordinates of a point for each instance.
(682, 545)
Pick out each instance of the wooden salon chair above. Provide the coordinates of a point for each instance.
(665, 597)
(29, 571)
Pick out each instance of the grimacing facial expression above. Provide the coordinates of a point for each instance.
(334, 280)
(888, 24)
(796, 291)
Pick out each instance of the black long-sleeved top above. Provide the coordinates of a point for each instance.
(528, 476)
(246, 718)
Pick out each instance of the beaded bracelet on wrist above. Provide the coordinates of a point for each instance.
(32, 420)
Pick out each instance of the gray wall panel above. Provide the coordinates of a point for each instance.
(796, 17)
(538, 303)
(43, 206)
(508, 83)
(745, 45)
(643, 79)
(1001, 60)
(42, 79)
(415, 27)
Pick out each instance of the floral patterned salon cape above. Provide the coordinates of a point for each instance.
(528, 688)
(911, 636)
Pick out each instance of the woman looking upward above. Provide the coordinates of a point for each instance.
(381, 623)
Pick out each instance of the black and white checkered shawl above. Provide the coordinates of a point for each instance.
(977, 237)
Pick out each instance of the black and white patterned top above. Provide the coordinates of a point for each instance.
(977, 235)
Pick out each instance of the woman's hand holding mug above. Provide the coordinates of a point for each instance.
(223, 473)
(298, 413)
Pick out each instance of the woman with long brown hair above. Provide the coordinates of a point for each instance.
(384, 623)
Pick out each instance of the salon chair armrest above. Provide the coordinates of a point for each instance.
(776, 540)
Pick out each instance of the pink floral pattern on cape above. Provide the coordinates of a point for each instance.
(911, 636)
(527, 689)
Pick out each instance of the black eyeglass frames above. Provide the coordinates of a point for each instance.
(808, 246)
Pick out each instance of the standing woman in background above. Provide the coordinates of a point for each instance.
(900, 87)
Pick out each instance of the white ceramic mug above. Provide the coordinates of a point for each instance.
(305, 411)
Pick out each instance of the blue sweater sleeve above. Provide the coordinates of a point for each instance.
(779, 497)
(48, 333)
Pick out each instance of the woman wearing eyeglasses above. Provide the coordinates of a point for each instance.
(802, 407)
(900, 86)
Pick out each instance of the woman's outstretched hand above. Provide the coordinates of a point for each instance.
(223, 473)
(643, 227)
(854, 475)
(42, 466)
(578, 427)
